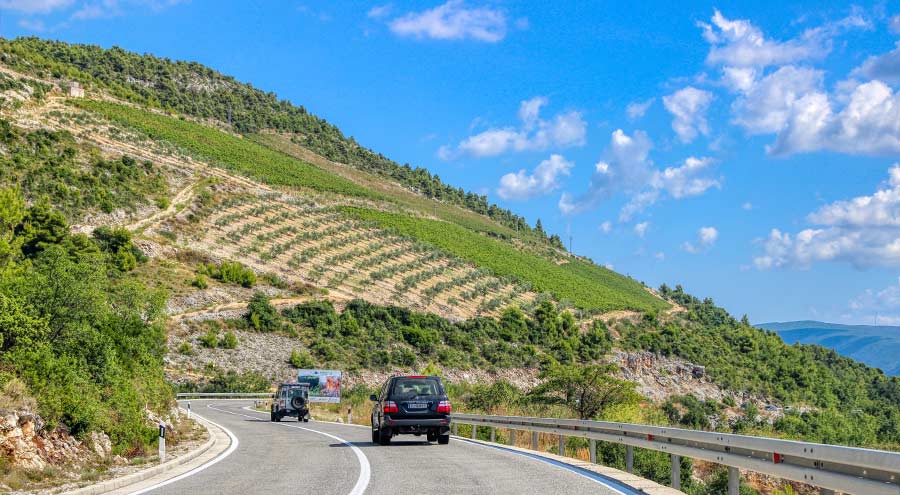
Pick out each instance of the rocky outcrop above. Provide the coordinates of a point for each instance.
(27, 444)
(660, 377)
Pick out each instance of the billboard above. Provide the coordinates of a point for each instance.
(324, 385)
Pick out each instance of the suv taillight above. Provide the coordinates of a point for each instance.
(444, 407)
(390, 407)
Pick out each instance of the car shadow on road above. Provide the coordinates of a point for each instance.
(392, 444)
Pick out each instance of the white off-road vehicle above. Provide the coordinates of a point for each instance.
(291, 399)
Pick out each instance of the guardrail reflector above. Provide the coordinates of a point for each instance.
(777, 458)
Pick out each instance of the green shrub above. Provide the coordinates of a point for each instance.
(210, 339)
(301, 359)
(186, 349)
(200, 281)
(261, 314)
(229, 341)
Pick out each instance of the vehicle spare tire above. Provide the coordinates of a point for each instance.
(298, 402)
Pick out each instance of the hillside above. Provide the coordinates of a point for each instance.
(876, 346)
(271, 242)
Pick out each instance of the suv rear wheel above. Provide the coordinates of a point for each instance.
(384, 436)
(443, 439)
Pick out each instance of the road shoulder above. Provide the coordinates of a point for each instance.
(636, 483)
(220, 441)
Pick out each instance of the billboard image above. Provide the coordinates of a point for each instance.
(324, 385)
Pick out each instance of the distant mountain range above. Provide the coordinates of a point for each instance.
(877, 346)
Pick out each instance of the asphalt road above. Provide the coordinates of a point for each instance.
(327, 458)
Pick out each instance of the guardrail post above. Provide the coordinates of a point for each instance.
(734, 481)
(493, 435)
(534, 440)
(676, 472)
(512, 437)
(629, 458)
(474, 432)
(455, 429)
(562, 445)
(593, 447)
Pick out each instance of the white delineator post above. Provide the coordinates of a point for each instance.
(162, 443)
(189, 410)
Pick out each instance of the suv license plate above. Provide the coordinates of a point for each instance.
(416, 405)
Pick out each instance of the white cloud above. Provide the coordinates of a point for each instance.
(684, 181)
(885, 303)
(563, 130)
(641, 229)
(380, 11)
(35, 25)
(688, 107)
(606, 227)
(791, 102)
(868, 124)
(608, 266)
(766, 106)
(680, 182)
(884, 67)
(863, 231)
(453, 21)
(35, 6)
(627, 169)
(543, 180)
(894, 24)
(738, 43)
(660, 256)
(638, 109)
(747, 206)
(706, 238)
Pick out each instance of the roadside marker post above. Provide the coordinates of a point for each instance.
(189, 410)
(162, 443)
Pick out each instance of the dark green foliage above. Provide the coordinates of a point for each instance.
(301, 359)
(688, 411)
(368, 335)
(229, 341)
(73, 177)
(649, 464)
(717, 484)
(490, 398)
(229, 381)
(229, 272)
(261, 314)
(858, 405)
(586, 390)
(210, 339)
(88, 346)
(118, 244)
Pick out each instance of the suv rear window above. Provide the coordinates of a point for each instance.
(413, 387)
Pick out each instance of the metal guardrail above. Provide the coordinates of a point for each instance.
(833, 468)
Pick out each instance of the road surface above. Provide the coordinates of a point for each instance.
(333, 459)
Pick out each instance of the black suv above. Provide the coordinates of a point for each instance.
(291, 399)
(411, 405)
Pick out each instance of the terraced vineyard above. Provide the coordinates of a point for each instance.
(302, 241)
(590, 287)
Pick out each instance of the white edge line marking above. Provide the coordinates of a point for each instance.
(250, 408)
(539, 458)
(365, 471)
(231, 448)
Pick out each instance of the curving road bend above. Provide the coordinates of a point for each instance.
(334, 459)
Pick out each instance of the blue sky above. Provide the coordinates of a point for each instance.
(745, 151)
